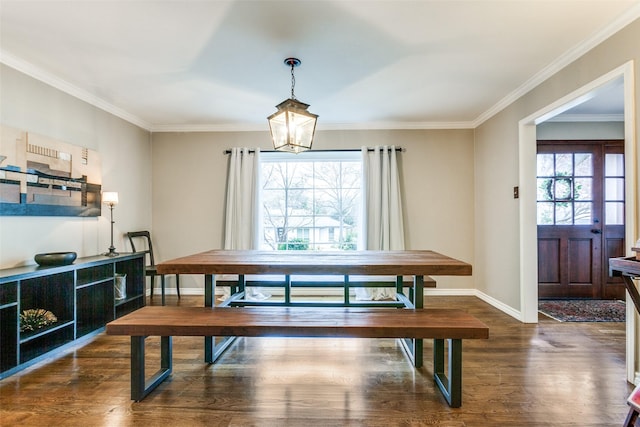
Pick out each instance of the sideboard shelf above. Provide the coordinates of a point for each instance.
(80, 295)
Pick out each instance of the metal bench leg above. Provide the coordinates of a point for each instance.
(140, 387)
(450, 384)
(414, 349)
(162, 285)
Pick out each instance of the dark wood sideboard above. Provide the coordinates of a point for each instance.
(81, 295)
(628, 268)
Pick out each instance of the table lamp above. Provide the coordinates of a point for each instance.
(110, 198)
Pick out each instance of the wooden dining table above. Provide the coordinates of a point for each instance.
(415, 263)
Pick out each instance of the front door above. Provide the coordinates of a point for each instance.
(580, 210)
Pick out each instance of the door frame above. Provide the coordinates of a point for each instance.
(527, 186)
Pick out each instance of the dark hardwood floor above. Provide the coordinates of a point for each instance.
(549, 374)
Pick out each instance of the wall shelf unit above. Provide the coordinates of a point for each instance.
(80, 295)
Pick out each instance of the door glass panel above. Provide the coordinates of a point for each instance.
(584, 164)
(545, 213)
(614, 213)
(545, 165)
(614, 164)
(582, 189)
(564, 213)
(614, 189)
(544, 189)
(583, 213)
(563, 188)
(564, 164)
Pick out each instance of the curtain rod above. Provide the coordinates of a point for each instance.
(398, 149)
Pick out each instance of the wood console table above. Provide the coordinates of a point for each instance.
(628, 268)
(416, 263)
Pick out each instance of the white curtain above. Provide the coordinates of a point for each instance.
(242, 217)
(383, 226)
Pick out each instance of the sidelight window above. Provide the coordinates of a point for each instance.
(614, 189)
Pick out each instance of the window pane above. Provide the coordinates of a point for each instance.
(350, 206)
(614, 164)
(327, 174)
(582, 189)
(584, 164)
(545, 165)
(564, 214)
(614, 189)
(544, 189)
(273, 175)
(351, 175)
(327, 202)
(563, 189)
(564, 164)
(614, 213)
(583, 213)
(545, 213)
(300, 202)
(299, 174)
(274, 201)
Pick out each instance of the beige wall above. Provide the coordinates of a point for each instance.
(189, 176)
(580, 130)
(125, 151)
(497, 243)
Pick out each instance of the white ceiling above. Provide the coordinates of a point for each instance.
(218, 65)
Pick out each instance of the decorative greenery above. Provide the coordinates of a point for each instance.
(296, 244)
(36, 318)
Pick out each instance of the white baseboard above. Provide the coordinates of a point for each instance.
(499, 305)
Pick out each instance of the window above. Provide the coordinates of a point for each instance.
(565, 182)
(311, 201)
(614, 189)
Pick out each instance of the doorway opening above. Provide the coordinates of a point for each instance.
(527, 186)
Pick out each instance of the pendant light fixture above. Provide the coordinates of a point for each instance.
(292, 126)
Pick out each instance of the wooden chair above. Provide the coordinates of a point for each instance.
(150, 269)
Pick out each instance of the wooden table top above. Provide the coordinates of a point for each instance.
(410, 262)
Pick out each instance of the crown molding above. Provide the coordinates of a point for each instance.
(395, 126)
(561, 62)
(31, 70)
(225, 127)
(321, 127)
(587, 118)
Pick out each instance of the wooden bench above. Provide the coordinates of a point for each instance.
(409, 325)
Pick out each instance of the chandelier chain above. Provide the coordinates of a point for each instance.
(293, 81)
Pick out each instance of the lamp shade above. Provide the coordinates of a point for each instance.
(292, 126)
(110, 197)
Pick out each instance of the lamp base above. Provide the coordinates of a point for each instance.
(112, 252)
